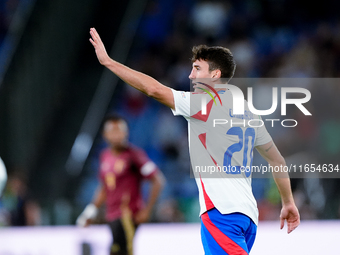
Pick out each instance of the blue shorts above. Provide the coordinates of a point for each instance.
(227, 234)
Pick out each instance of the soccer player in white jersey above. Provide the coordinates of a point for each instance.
(228, 209)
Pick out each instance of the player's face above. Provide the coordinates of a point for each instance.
(200, 70)
(115, 133)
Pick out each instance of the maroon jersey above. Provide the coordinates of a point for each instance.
(122, 176)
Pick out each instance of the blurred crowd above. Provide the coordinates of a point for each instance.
(17, 207)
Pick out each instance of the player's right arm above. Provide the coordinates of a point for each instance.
(138, 80)
(289, 210)
(91, 210)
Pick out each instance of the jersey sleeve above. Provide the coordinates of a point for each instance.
(182, 103)
(263, 136)
(145, 166)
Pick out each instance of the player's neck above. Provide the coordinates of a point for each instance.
(118, 149)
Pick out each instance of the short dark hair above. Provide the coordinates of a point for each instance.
(218, 58)
(114, 118)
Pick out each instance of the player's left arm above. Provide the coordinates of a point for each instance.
(138, 80)
(289, 211)
(157, 183)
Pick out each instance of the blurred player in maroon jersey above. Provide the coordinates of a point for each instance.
(123, 167)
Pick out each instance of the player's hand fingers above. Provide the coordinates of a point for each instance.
(94, 37)
(282, 223)
(293, 225)
(92, 42)
(290, 229)
(95, 34)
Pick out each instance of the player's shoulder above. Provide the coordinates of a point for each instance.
(225, 95)
(181, 94)
(136, 154)
(134, 149)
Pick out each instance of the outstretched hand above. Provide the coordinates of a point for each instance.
(290, 213)
(99, 47)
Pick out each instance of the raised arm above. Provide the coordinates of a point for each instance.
(138, 80)
(289, 211)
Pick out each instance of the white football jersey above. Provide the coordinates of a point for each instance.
(221, 150)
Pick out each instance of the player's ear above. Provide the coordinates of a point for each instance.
(216, 73)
